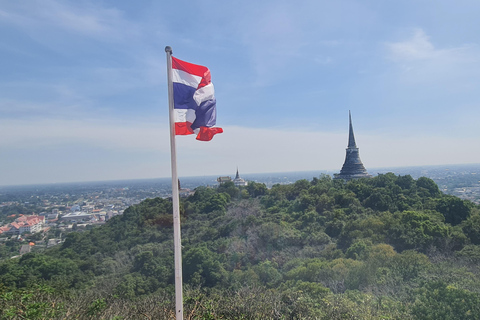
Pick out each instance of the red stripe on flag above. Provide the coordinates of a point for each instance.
(194, 69)
(206, 134)
(183, 128)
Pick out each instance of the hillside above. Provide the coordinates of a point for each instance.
(389, 247)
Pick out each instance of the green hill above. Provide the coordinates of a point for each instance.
(389, 247)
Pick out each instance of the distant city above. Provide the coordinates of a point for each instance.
(60, 208)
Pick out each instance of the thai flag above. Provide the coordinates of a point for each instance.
(194, 100)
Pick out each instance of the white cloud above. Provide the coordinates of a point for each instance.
(56, 17)
(142, 150)
(431, 71)
(91, 20)
(416, 48)
(126, 136)
(283, 40)
(397, 151)
(264, 150)
(419, 49)
(76, 69)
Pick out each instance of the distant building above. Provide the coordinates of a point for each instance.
(53, 242)
(352, 167)
(183, 193)
(76, 216)
(5, 229)
(239, 182)
(26, 248)
(222, 180)
(52, 216)
(24, 224)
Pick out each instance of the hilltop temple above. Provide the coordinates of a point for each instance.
(239, 182)
(352, 167)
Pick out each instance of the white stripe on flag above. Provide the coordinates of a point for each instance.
(184, 115)
(186, 78)
(180, 115)
(204, 94)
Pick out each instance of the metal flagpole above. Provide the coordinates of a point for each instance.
(177, 238)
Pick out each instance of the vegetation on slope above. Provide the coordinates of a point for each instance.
(389, 247)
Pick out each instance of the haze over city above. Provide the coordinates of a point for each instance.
(83, 92)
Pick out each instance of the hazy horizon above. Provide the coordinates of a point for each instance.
(249, 175)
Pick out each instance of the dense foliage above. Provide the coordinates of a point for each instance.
(389, 247)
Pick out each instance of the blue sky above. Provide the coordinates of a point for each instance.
(83, 85)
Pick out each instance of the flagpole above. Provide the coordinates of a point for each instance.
(177, 238)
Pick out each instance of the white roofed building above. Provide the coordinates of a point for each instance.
(239, 182)
(26, 224)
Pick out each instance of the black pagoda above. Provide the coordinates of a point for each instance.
(352, 167)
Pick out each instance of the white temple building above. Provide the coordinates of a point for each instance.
(239, 182)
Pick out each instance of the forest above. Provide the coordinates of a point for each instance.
(388, 247)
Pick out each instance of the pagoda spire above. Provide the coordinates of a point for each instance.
(351, 136)
(237, 176)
